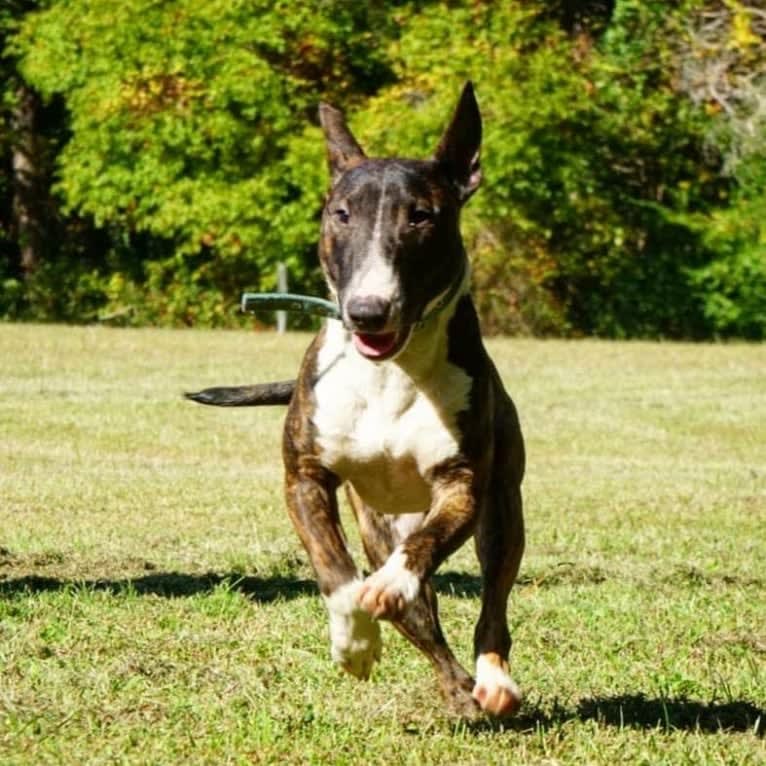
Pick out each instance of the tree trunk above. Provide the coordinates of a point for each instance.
(28, 165)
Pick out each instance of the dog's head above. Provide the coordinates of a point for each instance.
(390, 244)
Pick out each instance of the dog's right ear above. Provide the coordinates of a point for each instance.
(343, 151)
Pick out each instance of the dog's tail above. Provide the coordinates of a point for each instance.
(257, 395)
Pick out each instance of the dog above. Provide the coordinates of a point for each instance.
(399, 401)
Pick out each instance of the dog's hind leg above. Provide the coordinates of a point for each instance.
(420, 622)
(499, 546)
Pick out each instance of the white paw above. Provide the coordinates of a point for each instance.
(354, 636)
(495, 690)
(389, 591)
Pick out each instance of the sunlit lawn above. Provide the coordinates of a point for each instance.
(156, 607)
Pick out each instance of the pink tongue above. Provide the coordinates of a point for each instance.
(374, 345)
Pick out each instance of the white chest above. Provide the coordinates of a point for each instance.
(382, 431)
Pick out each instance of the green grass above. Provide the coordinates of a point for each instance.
(156, 607)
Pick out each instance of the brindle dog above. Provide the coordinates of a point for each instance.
(400, 402)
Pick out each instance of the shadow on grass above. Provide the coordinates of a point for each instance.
(634, 711)
(637, 711)
(459, 584)
(262, 589)
(467, 585)
(179, 585)
(640, 712)
(170, 585)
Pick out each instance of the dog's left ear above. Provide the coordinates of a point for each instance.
(458, 150)
(343, 151)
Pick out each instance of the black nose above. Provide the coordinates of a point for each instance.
(368, 312)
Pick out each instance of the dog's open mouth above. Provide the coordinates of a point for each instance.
(380, 346)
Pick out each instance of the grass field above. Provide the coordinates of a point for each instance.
(156, 608)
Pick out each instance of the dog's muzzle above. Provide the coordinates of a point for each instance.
(369, 319)
(368, 313)
(381, 346)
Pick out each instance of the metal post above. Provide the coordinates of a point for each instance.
(282, 287)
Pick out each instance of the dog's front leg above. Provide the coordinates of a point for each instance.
(313, 508)
(388, 592)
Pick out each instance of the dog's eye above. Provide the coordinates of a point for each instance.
(420, 215)
(341, 214)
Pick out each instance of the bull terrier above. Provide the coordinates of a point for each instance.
(399, 402)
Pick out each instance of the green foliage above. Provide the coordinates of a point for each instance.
(589, 157)
(732, 286)
(726, 71)
(189, 161)
(191, 123)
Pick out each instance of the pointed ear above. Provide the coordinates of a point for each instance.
(343, 152)
(458, 150)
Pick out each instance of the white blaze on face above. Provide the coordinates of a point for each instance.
(376, 275)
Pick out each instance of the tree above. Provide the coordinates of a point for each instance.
(24, 193)
(192, 132)
(623, 155)
(724, 70)
(592, 159)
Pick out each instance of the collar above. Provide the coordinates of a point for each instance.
(310, 305)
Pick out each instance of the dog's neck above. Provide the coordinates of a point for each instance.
(448, 297)
(428, 346)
